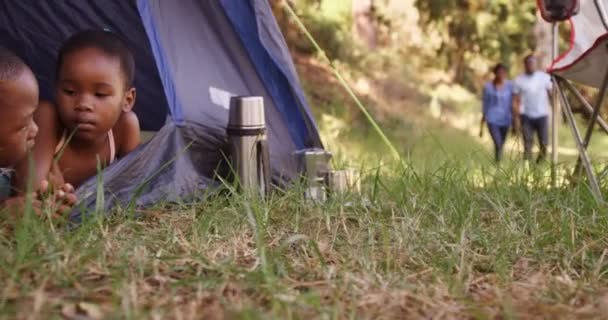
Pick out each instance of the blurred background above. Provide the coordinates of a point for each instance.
(419, 67)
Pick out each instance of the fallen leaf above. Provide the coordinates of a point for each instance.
(82, 311)
(92, 310)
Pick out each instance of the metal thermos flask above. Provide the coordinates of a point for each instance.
(249, 153)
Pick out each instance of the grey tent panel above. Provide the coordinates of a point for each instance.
(174, 166)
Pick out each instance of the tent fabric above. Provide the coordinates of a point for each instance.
(166, 76)
(174, 166)
(192, 56)
(271, 68)
(586, 61)
(214, 67)
(272, 39)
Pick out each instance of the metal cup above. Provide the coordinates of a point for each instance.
(313, 164)
(342, 182)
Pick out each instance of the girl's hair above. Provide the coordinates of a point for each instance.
(498, 67)
(106, 41)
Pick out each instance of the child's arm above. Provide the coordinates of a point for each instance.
(14, 207)
(485, 101)
(128, 134)
(62, 204)
(43, 152)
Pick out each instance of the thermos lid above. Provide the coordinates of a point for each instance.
(246, 113)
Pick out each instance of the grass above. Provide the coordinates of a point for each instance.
(414, 245)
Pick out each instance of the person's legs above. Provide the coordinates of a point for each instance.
(504, 131)
(495, 133)
(542, 130)
(528, 136)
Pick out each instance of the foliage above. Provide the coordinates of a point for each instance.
(478, 30)
(328, 22)
(463, 37)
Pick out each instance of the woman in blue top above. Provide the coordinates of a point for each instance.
(497, 104)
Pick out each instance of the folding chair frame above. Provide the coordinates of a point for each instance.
(582, 142)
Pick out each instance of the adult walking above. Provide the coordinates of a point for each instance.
(497, 103)
(531, 107)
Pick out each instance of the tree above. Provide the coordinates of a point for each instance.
(478, 30)
(363, 25)
(544, 42)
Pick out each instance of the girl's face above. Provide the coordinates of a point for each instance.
(91, 93)
(501, 74)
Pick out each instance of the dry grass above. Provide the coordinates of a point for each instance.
(429, 245)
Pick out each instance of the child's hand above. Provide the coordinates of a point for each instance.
(63, 199)
(64, 194)
(69, 195)
(15, 206)
(61, 203)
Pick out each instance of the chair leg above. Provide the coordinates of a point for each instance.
(584, 156)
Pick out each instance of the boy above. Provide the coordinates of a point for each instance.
(18, 102)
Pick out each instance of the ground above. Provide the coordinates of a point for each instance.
(443, 234)
(443, 245)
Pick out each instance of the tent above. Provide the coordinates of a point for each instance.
(585, 62)
(191, 57)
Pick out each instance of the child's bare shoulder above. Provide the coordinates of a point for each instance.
(127, 132)
(127, 124)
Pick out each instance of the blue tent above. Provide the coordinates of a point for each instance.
(191, 57)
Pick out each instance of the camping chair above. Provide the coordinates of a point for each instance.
(585, 62)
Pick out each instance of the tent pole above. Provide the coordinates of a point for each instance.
(556, 112)
(584, 156)
(585, 104)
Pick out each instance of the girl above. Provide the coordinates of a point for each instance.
(497, 106)
(92, 121)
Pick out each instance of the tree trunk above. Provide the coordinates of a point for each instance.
(364, 28)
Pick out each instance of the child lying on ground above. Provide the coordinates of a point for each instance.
(18, 102)
(91, 122)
